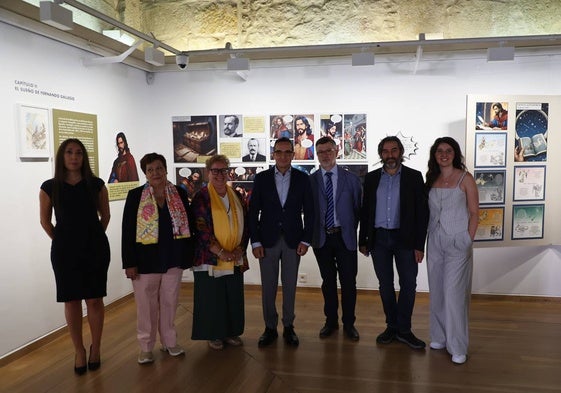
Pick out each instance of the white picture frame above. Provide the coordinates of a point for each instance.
(33, 132)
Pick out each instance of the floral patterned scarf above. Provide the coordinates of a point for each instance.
(147, 215)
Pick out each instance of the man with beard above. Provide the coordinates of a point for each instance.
(124, 166)
(303, 139)
(396, 227)
(253, 152)
(231, 123)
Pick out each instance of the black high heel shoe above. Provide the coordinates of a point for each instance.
(92, 366)
(79, 370)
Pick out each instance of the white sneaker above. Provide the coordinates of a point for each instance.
(174, 351)
(459, 359)
(437, 345)
(145, 357)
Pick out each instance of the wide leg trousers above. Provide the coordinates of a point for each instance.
(450, 268)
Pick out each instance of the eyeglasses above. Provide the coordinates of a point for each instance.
(219, 171)
(327, 151)
(287, 152)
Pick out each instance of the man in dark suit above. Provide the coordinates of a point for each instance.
(253, 152)
(279, 197)
(393, 224)
(337, 195)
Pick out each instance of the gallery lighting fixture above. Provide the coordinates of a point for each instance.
(363, 59)
(55, 15)
(154, 56)
(501, 53)
(238, 64)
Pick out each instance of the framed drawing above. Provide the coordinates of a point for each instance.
(491, 224)
(33, 132)
(490, 149)
(490, 186)
(529, 183)
(527, 221)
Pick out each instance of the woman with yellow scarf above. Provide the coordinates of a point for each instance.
(220, 259)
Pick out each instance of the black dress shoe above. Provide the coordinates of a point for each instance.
(351, 332)
(410, 339)
(327, 330)
(387, 336)
(268, 337)
(290, 338)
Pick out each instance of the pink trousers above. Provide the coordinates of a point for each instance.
(156, 297)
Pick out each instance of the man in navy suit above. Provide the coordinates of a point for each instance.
(337, 194)
(393, 224)
(279, 197)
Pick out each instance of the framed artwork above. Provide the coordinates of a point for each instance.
(491, 224)
(490, 186)
(33, 132)
(529, 183)
(527, 221)
(490, 149)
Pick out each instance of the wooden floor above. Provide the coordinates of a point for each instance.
(515, 348)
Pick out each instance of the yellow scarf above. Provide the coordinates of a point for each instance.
(228, 232)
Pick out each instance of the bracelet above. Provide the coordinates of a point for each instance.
(220, 252)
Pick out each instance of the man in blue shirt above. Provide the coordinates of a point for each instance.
(393, 224)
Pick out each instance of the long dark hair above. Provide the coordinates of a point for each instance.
(124, 138)
(434, 168)
(61, 171)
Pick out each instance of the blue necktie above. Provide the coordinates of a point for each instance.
(329, 216)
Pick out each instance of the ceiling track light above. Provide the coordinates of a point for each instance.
(53, 14)
(363, 59)
(154, 56)
(501, 53)
(238, 64)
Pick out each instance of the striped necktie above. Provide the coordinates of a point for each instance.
(329, 215)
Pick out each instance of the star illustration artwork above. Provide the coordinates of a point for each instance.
(409, 145)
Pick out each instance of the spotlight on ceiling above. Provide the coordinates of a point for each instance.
(501, 53)
(55, 15)
(154, 56)
(238, 64)
(363, 59)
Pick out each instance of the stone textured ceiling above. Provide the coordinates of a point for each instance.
(292, 29)
(197, 25)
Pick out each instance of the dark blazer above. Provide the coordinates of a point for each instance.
(258, 158)
(347, 204)
(145, 256)
(414, 211)
(268, 219)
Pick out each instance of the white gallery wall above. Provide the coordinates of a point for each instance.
(422, 106)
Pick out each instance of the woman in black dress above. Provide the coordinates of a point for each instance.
(80, 249)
